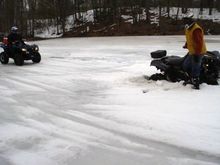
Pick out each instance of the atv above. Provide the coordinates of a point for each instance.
(19, 51)
(171, 67)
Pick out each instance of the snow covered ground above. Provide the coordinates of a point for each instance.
(88, 103)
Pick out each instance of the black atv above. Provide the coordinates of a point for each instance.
(171, 67)
(20, 51)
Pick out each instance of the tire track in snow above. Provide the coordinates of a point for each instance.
(57, 126)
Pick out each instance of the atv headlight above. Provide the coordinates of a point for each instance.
(23, 50)
(36, 48)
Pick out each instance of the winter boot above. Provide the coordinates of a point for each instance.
(195, 82)
(186, 78)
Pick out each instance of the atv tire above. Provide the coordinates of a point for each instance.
(157, 76)
(19, 60)
(4, 58)
(36, 58)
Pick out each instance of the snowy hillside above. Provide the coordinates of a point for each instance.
(88, 17)
(197, 14)
(88, 103)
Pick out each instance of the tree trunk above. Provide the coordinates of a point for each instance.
(178, 9)
(201, 6)
(211, 5)
(168, 8)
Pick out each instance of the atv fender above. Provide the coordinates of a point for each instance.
(159, 65)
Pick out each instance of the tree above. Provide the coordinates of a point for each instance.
(210, 5)
(178, 9)
(201, 6)
(146, 5)
(9, 12)
(168, 8)
(32, 12)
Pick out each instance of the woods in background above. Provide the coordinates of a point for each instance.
(26, 14)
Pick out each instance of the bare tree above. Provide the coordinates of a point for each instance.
(210, 5)
(32, 12)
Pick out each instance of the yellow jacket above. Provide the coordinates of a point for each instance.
(195, 41)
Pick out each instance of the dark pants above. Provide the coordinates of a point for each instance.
(12, 50)
(192, 65)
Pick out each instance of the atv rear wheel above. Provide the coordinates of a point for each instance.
(36, 58)
(19, 59)
(4, 58)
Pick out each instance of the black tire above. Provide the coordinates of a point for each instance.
(157, 76)
(36, 58)
(19, 60)
(4, 58)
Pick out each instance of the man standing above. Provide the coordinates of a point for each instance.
(197, 48)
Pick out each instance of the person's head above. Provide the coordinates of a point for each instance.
(14, 29)
(188, 18)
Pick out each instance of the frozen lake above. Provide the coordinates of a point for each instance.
(88, 103)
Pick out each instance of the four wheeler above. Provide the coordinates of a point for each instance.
(171, 67)
(19, 51)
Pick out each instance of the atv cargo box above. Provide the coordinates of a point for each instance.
(158, 54)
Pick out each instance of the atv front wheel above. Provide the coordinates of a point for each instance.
(19, 59)
(4, 58)
(36, 58)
